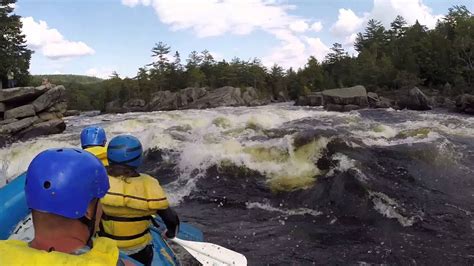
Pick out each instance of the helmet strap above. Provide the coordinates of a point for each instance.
(90, 223)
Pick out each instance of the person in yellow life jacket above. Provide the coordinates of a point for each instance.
(132, 200)
(63, 188)
(93, 140)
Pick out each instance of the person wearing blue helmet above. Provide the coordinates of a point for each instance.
(132, 200)
(63, 188)
(93, 140)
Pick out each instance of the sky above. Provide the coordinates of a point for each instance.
(97, 37)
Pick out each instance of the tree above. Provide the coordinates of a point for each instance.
(160, 71)
(14, 55)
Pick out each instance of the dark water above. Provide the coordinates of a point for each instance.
(428, 187)
(287, 185)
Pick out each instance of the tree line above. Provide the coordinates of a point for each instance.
(388, 59)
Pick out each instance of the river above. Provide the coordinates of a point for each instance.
(299, 185)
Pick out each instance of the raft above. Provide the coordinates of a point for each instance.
(16, 223)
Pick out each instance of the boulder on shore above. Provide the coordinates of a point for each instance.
(465, 103)
(191, 98)
(27, 112)
(414, 99)
(356, 95)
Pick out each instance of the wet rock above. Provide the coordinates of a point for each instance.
(414, 99)
(54, 126)
(72, 113)
(8, 121)
(312, 99)
(21, 93)
(135, 105)
(18, 125)
(60, 107)
(45, 116)
(20, 112)
(465, 103)
(49, 98)
(225, 96)
(114, 107)
(334, 107)
(163, 100)
(383, 103)
(351, 107)
(356, 95)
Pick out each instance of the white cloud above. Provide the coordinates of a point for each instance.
(299, 26)
(347, 23)
(208, 18)
(411, 10)
(50, 41)
(100, 72)
(317, 26)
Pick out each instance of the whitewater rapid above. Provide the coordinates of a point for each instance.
(276, 172)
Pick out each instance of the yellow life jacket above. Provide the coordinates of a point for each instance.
(16, 252)
(99, 152)
(128, 206)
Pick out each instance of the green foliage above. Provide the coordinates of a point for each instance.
(398, 57)
(14, 56)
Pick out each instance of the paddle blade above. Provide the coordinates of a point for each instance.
(212, 254)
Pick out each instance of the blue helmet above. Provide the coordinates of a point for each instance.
(125, 150)
(64, 182)
(93, 136)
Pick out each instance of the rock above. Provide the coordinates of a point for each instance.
(312, 99)
(163, 100)
(356, 95)
(189, 95)
(19, 112)
(351, 107)
(60, 107)
(114, 107)
(335, 107)
(72, 113)
(383, 103)
(2, 107)
(50, 98)
(54, 126)
(225, 96)
(45, 116)
(414, 99)
(18, 125)
(91, 113)
(135, 105)
(21, 94)
(8, 121)
(465, 103)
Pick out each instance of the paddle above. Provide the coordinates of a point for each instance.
(211, 254)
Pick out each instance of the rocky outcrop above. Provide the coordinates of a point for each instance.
(311, 99)
(465, 103)
(15, 95)
(134, 105)
(356, 95)
(19, 112)
(53, 126)
(228, 96)
(191, 98)
(413, 99)
(27, 112)
(376, 101)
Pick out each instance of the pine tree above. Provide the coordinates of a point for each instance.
(14, 55)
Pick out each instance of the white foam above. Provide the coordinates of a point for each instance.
(285, 212)
(389, 208)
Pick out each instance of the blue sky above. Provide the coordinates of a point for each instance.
(98, 37)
